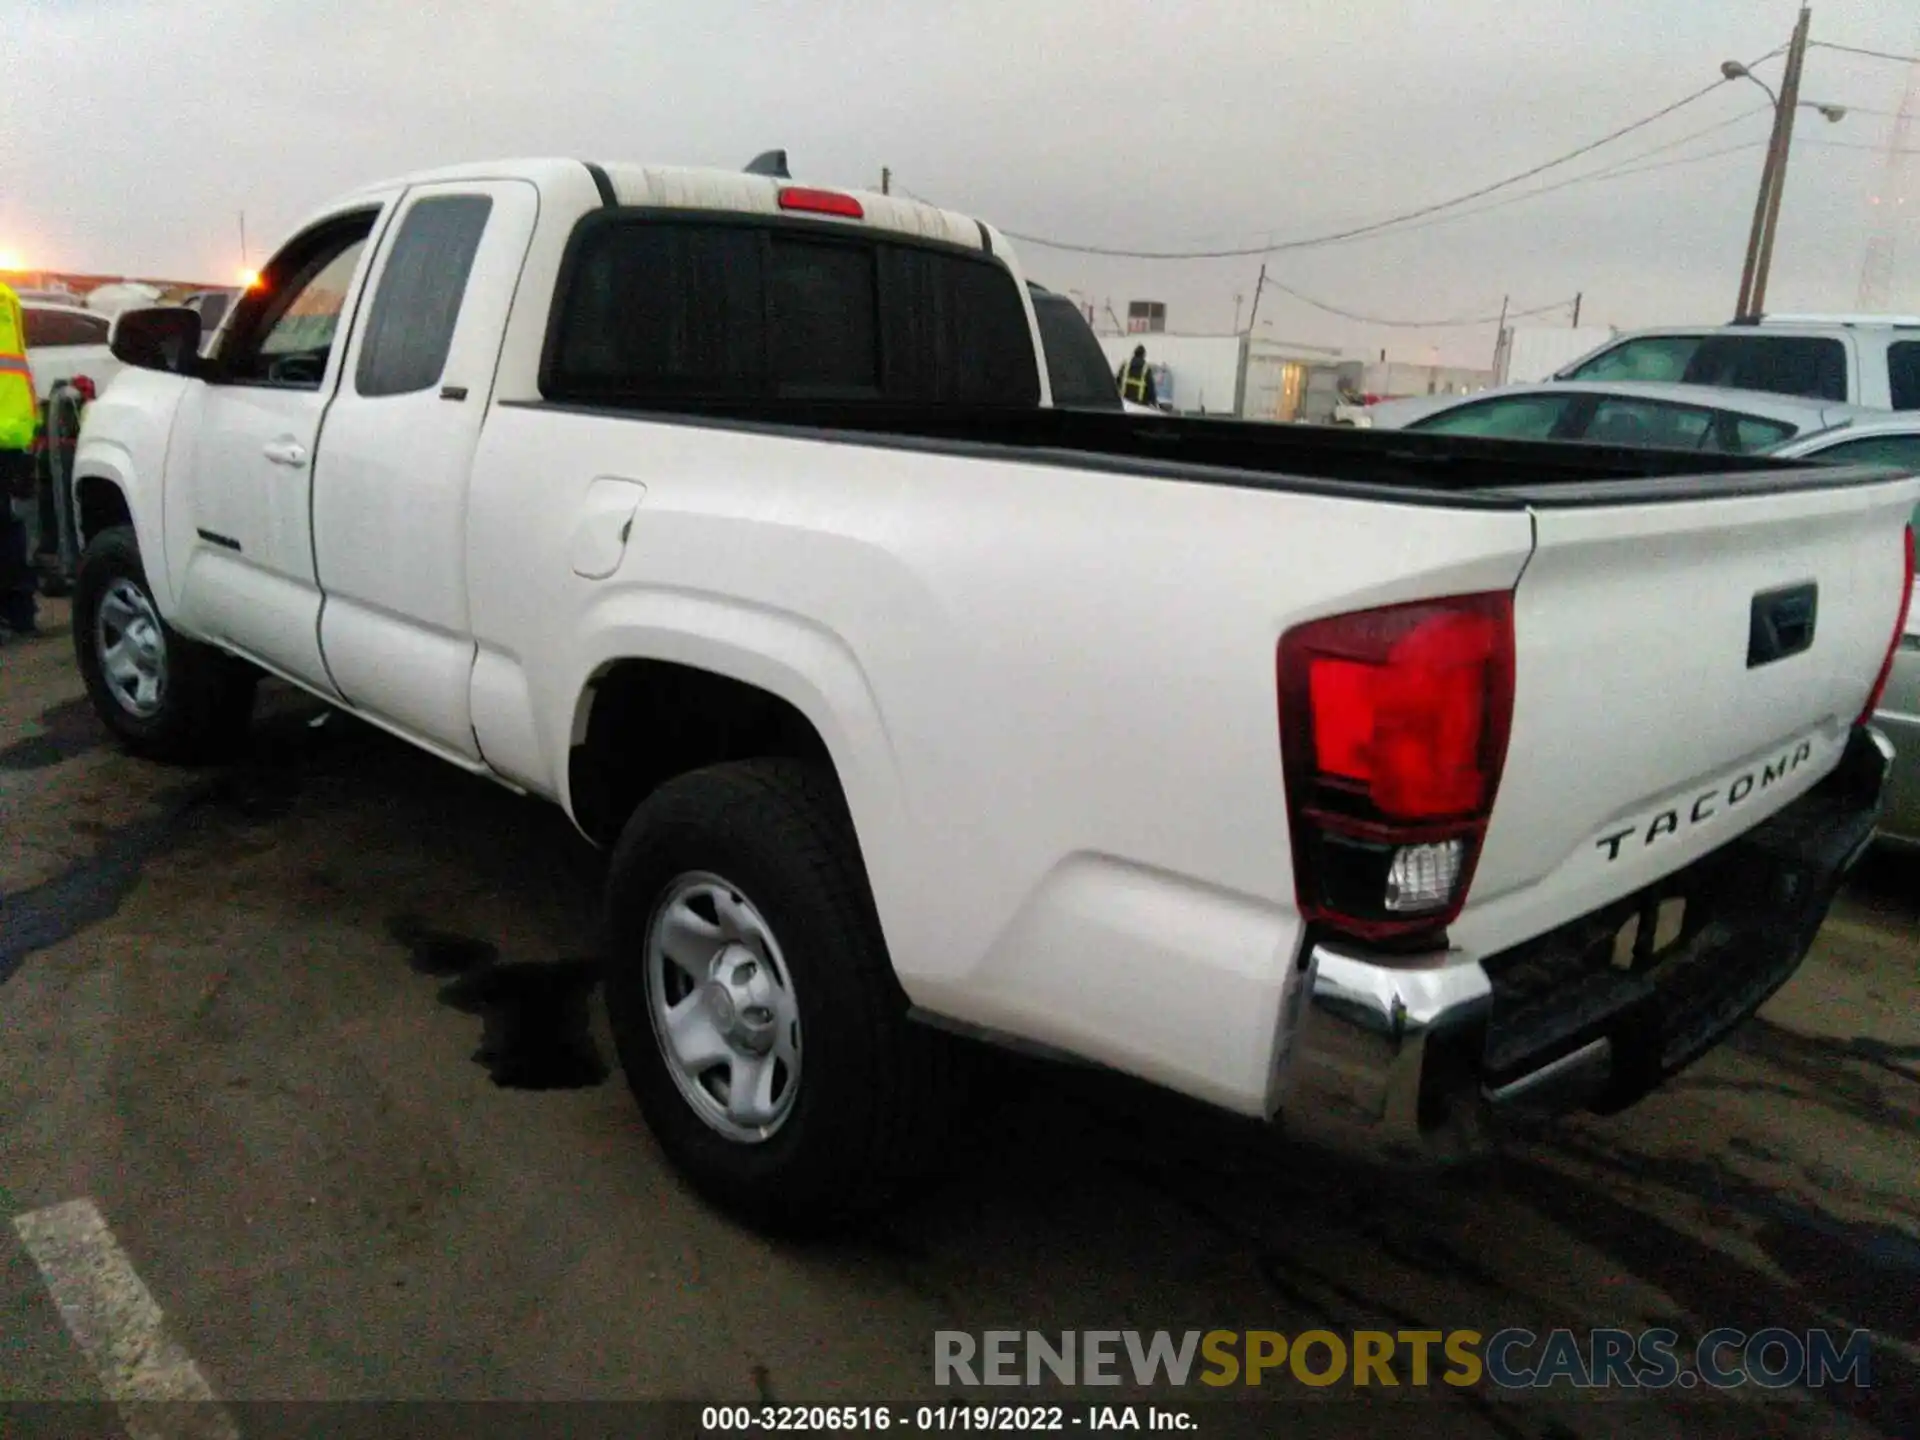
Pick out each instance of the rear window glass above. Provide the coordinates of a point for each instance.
(1902, 452)
(1903, 374)
(825, 330)
(660, 310)
(1076, 365)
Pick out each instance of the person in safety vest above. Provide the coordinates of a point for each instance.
(19, 415)
(1136, 380)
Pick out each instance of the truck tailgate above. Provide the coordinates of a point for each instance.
(1683, 669)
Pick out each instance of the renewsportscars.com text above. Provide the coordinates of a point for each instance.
(1513, 1358)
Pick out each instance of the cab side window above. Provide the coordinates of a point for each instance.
(417, 303)
(285, 331)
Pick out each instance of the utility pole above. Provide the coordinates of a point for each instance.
(1258, 286)
(1578, 294)
(243, 242)
(1500, 336)
(1766, 206)
(886, 181)
(1789, 103)
(1238, 301)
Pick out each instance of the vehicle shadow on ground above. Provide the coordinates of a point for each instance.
(1084, 1200)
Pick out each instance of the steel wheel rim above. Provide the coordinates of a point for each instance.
(723, 1007)
(131, 646)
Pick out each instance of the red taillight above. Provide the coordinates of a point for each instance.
(821, 202)
(1393, 727)
(1893, 645)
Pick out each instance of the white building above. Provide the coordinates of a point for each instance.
(1236, 375)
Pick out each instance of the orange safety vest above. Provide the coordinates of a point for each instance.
(19, 410)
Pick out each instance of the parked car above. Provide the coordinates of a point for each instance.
(212, 307)
(1313, 775)
(1892, 441)
(64, 341)
(1668, 416)
(1867, 360)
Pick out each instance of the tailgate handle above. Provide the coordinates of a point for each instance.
(1781, 623)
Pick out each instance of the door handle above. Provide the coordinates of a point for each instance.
(286, 452)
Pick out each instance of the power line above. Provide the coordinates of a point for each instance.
(1870, 54)
(1619, 170)
(1613, 172)
(1458, 321)
(1354, 232)
(1856, 145)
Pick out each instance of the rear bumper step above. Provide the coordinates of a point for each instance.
(1419, 1058)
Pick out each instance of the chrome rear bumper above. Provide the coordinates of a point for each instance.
(1418, 1058)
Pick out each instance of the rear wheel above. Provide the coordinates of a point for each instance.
(162, 695)
(753, 1004)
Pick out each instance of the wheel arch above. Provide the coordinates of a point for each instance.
(105, 484)
(790, 689)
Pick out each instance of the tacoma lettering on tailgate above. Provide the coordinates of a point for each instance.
(1702, 808)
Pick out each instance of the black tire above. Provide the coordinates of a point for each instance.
(204, 709)
(877, 1091)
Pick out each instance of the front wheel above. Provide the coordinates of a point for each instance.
(753, 1004)
(163, 696)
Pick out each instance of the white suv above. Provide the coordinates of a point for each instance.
(1867, 360)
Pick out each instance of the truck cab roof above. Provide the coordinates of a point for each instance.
(685, 187)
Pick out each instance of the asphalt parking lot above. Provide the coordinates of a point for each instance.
(314, 1036)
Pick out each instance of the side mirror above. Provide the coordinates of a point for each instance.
(162, 338)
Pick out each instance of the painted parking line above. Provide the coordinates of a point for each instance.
(160, 1392)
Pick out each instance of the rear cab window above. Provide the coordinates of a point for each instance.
(664, 309)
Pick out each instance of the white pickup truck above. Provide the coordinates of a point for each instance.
(1376, 784)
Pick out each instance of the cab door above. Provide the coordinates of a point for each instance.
(245, 444)
(391, 497)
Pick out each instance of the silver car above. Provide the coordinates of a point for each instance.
(1891, 440)
(1667, 416)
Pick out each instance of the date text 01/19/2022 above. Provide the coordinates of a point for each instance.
(935, 1419)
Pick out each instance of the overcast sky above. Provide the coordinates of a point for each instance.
(136, 131)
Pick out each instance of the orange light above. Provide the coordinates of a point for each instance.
(10, 262)
(249, 279)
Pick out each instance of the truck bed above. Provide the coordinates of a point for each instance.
(1390, 465)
